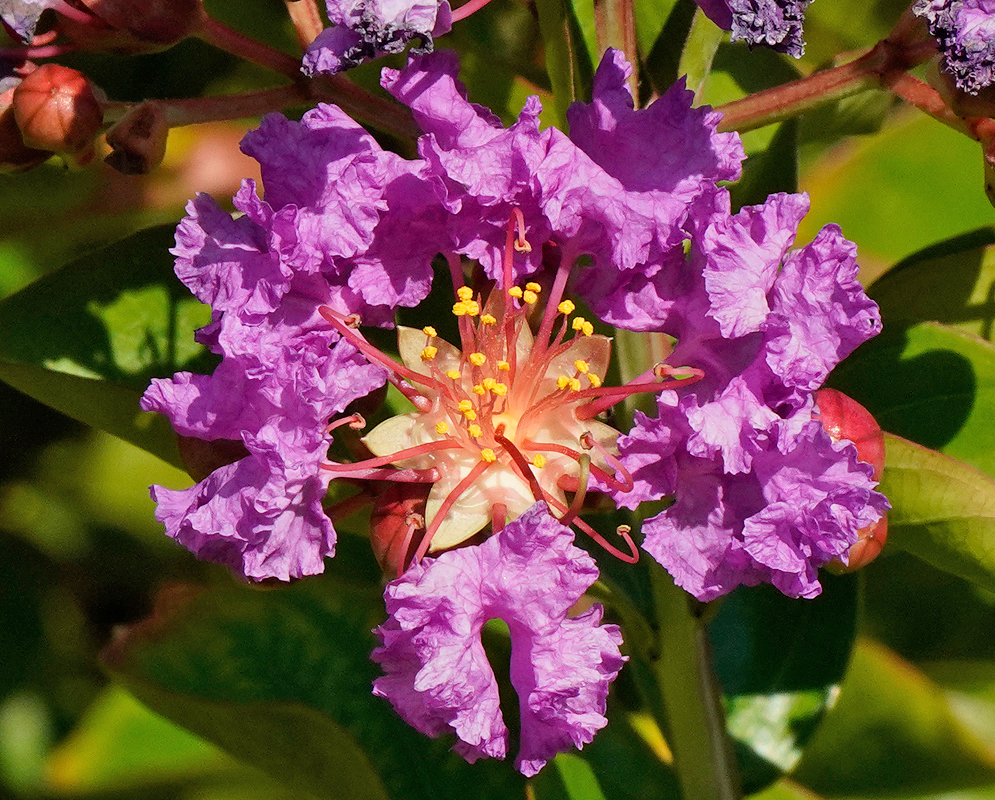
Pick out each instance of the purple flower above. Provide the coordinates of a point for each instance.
(762, 492)
(22, 16)
(366, 29)
(771, 23)
(336, 207)
(437, 674)
(965, 33)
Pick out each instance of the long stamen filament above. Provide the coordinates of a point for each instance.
(400, 455)
(582, 480)
(447, 504)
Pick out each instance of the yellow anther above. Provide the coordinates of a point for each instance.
(500, 389)
(574, 385)
(453, 374)
(429, 353)
(533, 287)
(475, 431)
(566, 307)
(478, 389)
(587, 328)
(488, 383)
(442, 427)
(472, 308)
(470, 414)
(515, 291)
(477, 359)
(593, 379)
(464, 293)
(562, 382)
(539, 460)
(530, 297)
(464, 405)
(488, 319)
(428, 330)
(581, 366)
(578, 323)
(488, 455)
(460, 309)
(503, 365)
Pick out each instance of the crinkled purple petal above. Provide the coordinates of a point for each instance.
(800, 505)
(668, 147)
(437, 674)
(820, 313)
(22, 16)
(744, 253)
(771, 23)
(367, 29)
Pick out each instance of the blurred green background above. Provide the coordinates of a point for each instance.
(81, 553)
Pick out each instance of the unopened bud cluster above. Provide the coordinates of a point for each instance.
(51, 110)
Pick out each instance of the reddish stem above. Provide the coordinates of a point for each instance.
(231, 41)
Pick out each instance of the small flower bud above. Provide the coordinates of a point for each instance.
(844, 418)
(401, 506)
(56, 110)
(131, 27)
(15, 156)
(138, 140)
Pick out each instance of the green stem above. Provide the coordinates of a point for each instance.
(692, 698)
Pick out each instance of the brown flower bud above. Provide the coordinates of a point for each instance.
(15, 156)
(139, 140)
(135, 27)
(56, 110)
(397, 516)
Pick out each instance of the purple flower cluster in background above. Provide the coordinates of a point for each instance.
(965, 34)
(761, 492)
(771, 23)
(22, 16)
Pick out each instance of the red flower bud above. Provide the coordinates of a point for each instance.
(398, 510)
(56, 110)
(844, 418)
(15, 156)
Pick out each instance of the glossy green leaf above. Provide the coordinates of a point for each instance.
(773, 170)
(558, 38)
(892, 732)
(780, 662)
(281, 679)
(699, 50)
(929, 383)
(943, 511)
(87, 338)
(568, 777)
(952, 282)
(120, 744)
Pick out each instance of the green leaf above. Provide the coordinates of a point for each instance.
(943, 511)
(929, 383)
(282, 680)
(773, 170)
(700, 47)
(952, 282)
(893, 732)
(120, 744)
(87, 338)
(780, 662)
(568, 777)
(558, 38)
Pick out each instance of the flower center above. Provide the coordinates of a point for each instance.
(505, 419)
